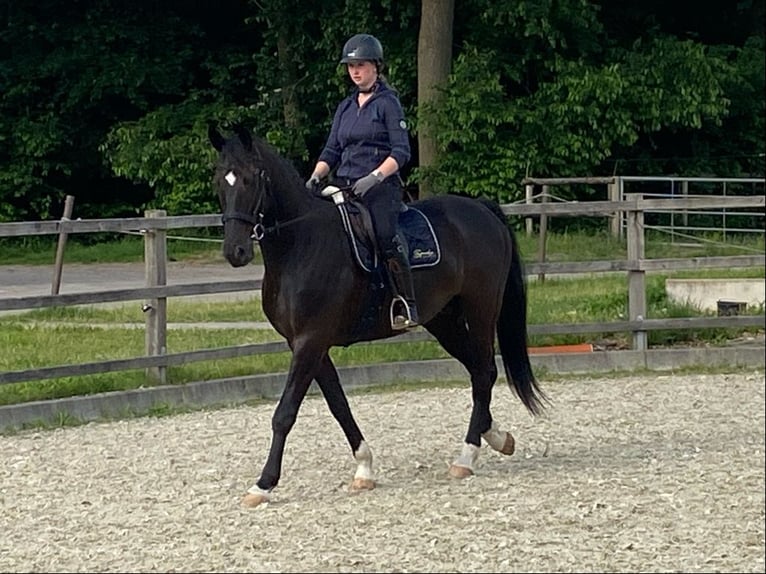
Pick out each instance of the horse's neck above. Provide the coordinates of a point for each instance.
(291, 202)
(295, 250)
(300, 223)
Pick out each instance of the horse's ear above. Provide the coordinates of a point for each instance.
(215, 137)
(244, 136)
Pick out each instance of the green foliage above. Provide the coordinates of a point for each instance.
(109, 102)
(168, 149)
(577, 116)
(75, 71)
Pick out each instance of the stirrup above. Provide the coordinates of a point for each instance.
(399, 321)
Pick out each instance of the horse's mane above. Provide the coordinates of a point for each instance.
(280, 169)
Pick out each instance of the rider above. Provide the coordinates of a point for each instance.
(369, 144)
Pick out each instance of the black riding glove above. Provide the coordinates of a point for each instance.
(313, 182)
(364, 184)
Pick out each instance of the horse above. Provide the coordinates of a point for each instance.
(314, 294)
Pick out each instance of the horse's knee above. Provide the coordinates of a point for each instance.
(282, 422)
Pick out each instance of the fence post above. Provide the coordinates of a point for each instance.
(156, 310)
(59, 262)
(636, 277)
(529, 199)
(543, 239)
(613, 191)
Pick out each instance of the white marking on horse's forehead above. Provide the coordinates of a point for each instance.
(231, 178)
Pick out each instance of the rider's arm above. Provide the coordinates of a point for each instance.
(398, 136)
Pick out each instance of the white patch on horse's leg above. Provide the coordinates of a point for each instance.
(468, 455)
(364, 478)
(256, 496)
(499, 440)
(463, 465)
(363, 457)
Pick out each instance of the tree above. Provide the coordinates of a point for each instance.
(542, 88)
(109, 101)
(434, 65)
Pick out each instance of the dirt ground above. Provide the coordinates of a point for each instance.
(646, 473)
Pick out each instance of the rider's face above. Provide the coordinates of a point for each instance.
(363, 73)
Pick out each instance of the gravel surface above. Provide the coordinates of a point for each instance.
(650, 473)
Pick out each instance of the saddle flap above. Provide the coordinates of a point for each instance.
(416, 230)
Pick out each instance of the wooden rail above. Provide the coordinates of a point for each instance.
(156, 293)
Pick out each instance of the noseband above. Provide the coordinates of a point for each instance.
(255, 217)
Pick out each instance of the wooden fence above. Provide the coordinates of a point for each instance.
(669, 187)
(155, 226)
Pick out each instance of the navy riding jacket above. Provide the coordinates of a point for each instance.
(361, 138)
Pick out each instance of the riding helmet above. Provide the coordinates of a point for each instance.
(362, 47)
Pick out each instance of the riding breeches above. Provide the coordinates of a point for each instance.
(384, 202)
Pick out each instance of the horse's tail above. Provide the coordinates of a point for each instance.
(512, 328)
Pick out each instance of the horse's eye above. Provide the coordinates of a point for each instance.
(231, 178)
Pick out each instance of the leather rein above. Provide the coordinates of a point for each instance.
(255, 217)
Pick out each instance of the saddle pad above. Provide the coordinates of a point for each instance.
(423, 246)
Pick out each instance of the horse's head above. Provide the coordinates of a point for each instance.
(241, 182)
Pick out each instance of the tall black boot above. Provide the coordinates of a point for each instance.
(404, 311)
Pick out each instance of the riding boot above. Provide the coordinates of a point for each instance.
(404, 311)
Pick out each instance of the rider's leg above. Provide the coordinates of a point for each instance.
(398, 264)
(384, 202)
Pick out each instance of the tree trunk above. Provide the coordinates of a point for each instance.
(434, 65)
(290, 106)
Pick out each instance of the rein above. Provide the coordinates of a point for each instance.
(260, 230)
(256, 220)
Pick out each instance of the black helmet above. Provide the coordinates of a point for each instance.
(362, 47)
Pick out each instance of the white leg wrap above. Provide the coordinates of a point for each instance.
(468, 456)
(259, 491)
(495, 437)
(363, 457)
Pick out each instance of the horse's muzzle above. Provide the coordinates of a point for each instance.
(238, 255)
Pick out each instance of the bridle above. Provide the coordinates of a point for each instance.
(255, 217)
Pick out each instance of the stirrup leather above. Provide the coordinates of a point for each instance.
(403, 319)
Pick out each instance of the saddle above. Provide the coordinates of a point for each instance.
(413, 225)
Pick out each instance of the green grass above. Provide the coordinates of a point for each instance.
(179, 311)
(205, 245)
(183, 245)
(72, 335)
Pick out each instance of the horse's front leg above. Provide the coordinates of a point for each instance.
(303, 367)
(329, 382)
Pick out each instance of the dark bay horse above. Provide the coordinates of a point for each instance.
(314, 294)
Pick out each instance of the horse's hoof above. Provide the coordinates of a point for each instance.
(252, 500)
(359, 484)
(456, 471)
(509, 446)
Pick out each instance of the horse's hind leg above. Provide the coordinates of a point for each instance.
(471, 341)
(329, 382)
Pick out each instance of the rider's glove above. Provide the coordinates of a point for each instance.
(364, 184)
(313, 182)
